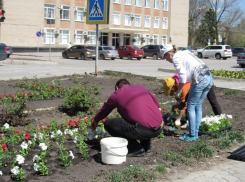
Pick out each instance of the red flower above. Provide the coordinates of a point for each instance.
(27, 136)
(1, 135)
(24, 94)
(29, 93)
(17, 131)
(78, 121)
(1, 96)
(163, 109)
(49, 126)
(72, 123)
(104, 120)
(92, 118)
(81, 90)
(86, 120)
(117, 116)
(50, 87)
(4, 93)
(41, 128)
(4, 146)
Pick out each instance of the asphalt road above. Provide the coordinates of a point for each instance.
(29, 65)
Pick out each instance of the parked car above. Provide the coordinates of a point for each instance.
(217, 51)
(107, 52)
(80, 51)
(3, 52)
(236, 50)
(154, 51)
(241, 59)
(182, 48)
(130, 52)
(9, 51)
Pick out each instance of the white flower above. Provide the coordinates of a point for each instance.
(59, 133)
(71, 154)
(35, 158)
(75, 130)
(29, 142)
(43, 146)
(15, 170)
(75, 139)
(34, 137)
(35, 167)
(67, 131)
(52, 135)
(20, 159)
(6, 125)
(1, 173)
(24, 145)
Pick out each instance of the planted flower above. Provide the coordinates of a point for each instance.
(215, 123)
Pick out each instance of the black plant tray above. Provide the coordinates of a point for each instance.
(212, 132)
(238, 154)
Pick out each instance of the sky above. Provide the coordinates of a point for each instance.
(242, 6)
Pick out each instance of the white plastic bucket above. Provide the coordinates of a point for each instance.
(114, 150)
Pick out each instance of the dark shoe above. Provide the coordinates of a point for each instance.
(147, 145)
(137, 153)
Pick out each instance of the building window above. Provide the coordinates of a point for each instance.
(127, 2)
(65, 13)
(147, 3)
(137, 39)
(127, 19)
(164, 23)
(116, 18)
(49, 36)
(164, 40)
(64, 36)
(156, 4)
(165, 5)
(116, 1)
(147, 40)
(79, 37)
(147, 21)
(155, 39)
(156, 22)
(49, 11)
(92, 37)
(79, 14)
(137, 21)
(137, 2)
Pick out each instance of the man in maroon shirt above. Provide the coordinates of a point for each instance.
(141, 118)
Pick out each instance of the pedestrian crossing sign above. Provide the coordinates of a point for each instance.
(97, 11)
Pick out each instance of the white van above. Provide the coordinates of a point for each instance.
(217, 51)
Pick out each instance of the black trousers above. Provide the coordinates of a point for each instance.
(118, 127)
(213, 101)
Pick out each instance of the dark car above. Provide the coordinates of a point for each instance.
(80, 51)
(154, 51)
(130, 52)
(241, 59)
(237, 50)
(3, 52)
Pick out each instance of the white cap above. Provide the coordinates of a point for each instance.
(168, 48)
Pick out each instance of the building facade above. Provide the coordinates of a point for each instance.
(131, 22)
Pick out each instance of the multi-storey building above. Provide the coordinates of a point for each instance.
(137, 22)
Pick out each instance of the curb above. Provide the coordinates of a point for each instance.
(25, 61)
(215, 77)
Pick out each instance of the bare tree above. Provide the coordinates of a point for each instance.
(224, 9)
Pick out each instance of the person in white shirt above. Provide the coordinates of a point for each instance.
(190, 68)
(68, 45)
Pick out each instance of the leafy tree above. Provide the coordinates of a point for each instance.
(207, 29)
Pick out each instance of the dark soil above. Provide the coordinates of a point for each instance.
(93, 168)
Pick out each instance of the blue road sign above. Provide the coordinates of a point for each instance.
(39, 34)
(97, 11)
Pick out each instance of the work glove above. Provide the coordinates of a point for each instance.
(177, 123)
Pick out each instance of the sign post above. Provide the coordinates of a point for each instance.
(97, 13)
(38, 34)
